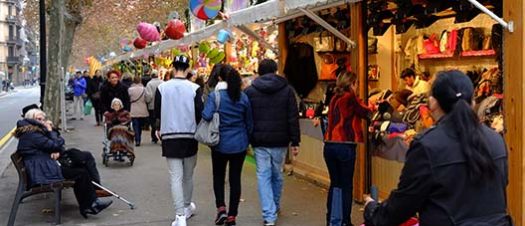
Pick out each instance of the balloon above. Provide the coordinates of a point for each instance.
(205, 9)
(175, 29)
(148, 32)
(140, 43)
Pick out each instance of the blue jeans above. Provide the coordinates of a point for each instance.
(340, 161)
(269, 163)
(137, 128)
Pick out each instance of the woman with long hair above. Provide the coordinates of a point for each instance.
(236, 125)
(455, 172)
(344, 131)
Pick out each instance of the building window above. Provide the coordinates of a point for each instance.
(11, 51)
(11, 31)
(10, 10)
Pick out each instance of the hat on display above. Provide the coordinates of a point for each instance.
(181, 59)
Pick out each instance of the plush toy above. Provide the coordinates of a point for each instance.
(175, 29)
(140, 43)
(148, 32)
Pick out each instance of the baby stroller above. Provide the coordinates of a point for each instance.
(118, 143)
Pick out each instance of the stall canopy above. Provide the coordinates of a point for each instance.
(274, 11)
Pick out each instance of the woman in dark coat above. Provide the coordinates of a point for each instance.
(40, 147)
(113, 88)
(455, 173)
(96, 85)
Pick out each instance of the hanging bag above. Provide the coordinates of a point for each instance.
(324, 43)
(208, 132)
(88, 107)
(328, 67)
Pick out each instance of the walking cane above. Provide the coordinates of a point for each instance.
(130, 204)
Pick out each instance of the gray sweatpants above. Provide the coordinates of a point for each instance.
(181, 178)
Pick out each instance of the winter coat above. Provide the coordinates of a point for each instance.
(275, 114)
(127, 82)
(151, 89)
(117, 117)
(96, 85)
(137, 95)
(80, 86)
(109, 92)
(35, 144)
(345, 117)
(435, 183)
(236, 122)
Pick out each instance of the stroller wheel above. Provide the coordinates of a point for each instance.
(131, 160)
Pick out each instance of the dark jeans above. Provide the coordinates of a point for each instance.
(153, 126)
(137, 128)
(98, 110)
(340, 161)
(83, 189)
(219, 162)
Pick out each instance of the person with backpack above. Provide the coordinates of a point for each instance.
(236, 125)
(276, 126)
(178, 108)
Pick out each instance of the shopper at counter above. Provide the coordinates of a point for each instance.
(276, 126)
(344, 132)
(413, 82)
(455, 173)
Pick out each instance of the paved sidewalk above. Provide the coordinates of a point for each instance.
(147, 184)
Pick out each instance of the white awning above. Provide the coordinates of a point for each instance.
(296, 4)
(256, 13)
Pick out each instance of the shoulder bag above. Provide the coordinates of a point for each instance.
(208, 132)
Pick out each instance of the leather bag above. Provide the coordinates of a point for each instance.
(208, 132)
(324, 43)
(328, 67)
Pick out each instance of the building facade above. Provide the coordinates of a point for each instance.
(10, 41)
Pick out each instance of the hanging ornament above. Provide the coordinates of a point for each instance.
(148, 32)
(140, 43)
(205, 9)
(175, 29)
(224, 36)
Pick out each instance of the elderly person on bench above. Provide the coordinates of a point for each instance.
(40, 147)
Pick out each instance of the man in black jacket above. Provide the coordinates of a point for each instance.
(276, 126)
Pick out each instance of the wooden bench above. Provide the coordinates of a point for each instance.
(23, 191)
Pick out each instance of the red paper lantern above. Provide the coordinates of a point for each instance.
(175, 29)
(140, 43)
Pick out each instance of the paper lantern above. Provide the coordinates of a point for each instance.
(224, 36)
(148, 32)
(140, 43)
(205, 9)
(175, 29)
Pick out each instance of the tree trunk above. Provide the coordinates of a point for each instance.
(56, 29)
(71, 23)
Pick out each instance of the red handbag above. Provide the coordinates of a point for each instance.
(328, 67)
(431, 46)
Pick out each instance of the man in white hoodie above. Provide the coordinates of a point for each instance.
(151, 89)
(178, 108)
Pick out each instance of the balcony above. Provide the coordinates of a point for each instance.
(12, 60)
(10, 39)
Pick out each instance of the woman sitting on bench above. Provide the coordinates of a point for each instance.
(40, 148)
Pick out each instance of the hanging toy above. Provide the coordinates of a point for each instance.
(224, 36)
(139, 43)
(148, 32)
(205, 9)
(175, 29)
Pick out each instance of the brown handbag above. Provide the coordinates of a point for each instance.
(328, 67)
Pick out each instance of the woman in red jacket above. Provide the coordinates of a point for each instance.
(344, 132)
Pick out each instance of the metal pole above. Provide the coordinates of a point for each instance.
(509, 25)
(63, 100)
(43, 53)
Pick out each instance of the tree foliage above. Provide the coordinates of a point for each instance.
(105, 22)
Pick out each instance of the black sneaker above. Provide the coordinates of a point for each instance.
(231, 221)
(221, 216)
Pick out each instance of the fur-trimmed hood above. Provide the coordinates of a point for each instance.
(26, 126)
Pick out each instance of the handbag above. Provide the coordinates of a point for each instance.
(88, 107)
(372, 45)
(328, 67)
(431, 46)
(324, 43)
(208, 131)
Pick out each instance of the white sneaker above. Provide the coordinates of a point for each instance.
(190, 210)
(179, 221)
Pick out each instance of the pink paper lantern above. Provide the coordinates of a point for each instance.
(148, 32)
